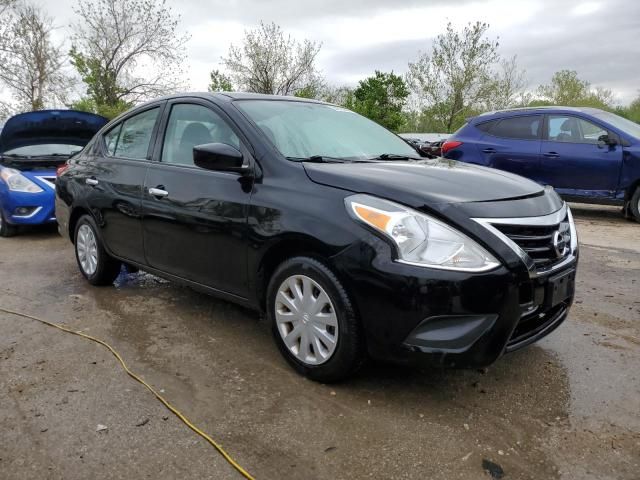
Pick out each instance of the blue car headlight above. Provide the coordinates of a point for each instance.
(18, 182)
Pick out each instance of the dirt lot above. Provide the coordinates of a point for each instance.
(568, 407)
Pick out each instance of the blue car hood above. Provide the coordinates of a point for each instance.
(50, 126)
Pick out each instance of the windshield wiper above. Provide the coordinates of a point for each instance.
(319, 159)
(394, 156)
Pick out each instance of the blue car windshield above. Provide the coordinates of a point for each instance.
(627, 126)
(300, 130)
(44, 150)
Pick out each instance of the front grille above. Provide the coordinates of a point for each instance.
(547, 245)
(536, 325)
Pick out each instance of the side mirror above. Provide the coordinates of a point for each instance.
(219, 157)
(607, 141)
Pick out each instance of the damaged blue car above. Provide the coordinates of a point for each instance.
(32, 146)
(587, 155)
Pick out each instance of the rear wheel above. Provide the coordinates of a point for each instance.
(94, 262)
(6, 229)
(634, 205)
(313, 320)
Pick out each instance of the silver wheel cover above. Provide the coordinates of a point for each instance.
(306, 320)
(87, 250)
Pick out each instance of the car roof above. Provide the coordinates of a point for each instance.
(542, 109)
(230, 96)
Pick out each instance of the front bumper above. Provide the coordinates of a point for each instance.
(414, 314)
(38, 208)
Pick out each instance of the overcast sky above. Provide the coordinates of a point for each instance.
(600, 38)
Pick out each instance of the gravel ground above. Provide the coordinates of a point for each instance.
(567, 407)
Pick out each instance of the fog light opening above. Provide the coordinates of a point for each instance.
(24, 211)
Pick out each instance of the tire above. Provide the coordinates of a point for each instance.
(634, 205)
(6, 229)
(93, 261)
(325, 362)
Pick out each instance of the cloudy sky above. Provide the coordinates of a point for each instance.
(598, 38)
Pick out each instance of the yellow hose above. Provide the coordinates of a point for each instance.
(173, 409)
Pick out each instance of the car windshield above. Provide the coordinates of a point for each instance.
(627, 126)
(44, 150)
(301, 130)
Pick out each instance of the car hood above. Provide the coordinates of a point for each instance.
(50, 126)
(432, 182)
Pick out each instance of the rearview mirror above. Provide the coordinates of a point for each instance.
(219, 157)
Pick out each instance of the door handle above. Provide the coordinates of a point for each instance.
(91, 181)
(551, 155)
(158, 192)
(489, 150)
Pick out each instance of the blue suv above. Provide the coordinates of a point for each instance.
(588, 155)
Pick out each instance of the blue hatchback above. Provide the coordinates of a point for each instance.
(32, 146)
(586, 154)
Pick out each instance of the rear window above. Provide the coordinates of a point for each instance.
(522, 128)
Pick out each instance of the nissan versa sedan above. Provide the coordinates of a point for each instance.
(352, 244)
(32, 146)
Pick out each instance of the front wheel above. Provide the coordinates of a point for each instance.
(94, 262)
(634, 205)
(313, 320)
(6, 229)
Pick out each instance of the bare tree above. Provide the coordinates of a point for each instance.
(6, 18)
(5, 21)
(271, 62)
(508, 87)
(32, 65)
(127, 51)
(457, 76)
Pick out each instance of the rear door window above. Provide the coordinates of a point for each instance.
(527, 127)
(135, 135)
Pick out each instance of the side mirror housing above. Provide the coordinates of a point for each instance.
(607, 141)
(219, 157)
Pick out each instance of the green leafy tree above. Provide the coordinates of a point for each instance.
(632, 112)
(126, 51)
(567, 89)
(456, 77)
(309, 91)
(342, 95)
(220, 82)
(381, 98)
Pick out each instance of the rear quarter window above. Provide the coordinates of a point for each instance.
(111, 139)
(527, 127)
(487, 127)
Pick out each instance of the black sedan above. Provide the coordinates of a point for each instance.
(352, 244)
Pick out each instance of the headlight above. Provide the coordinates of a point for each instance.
(421, 239)
(18, 182)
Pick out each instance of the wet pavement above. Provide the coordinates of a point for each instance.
(567, 407)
